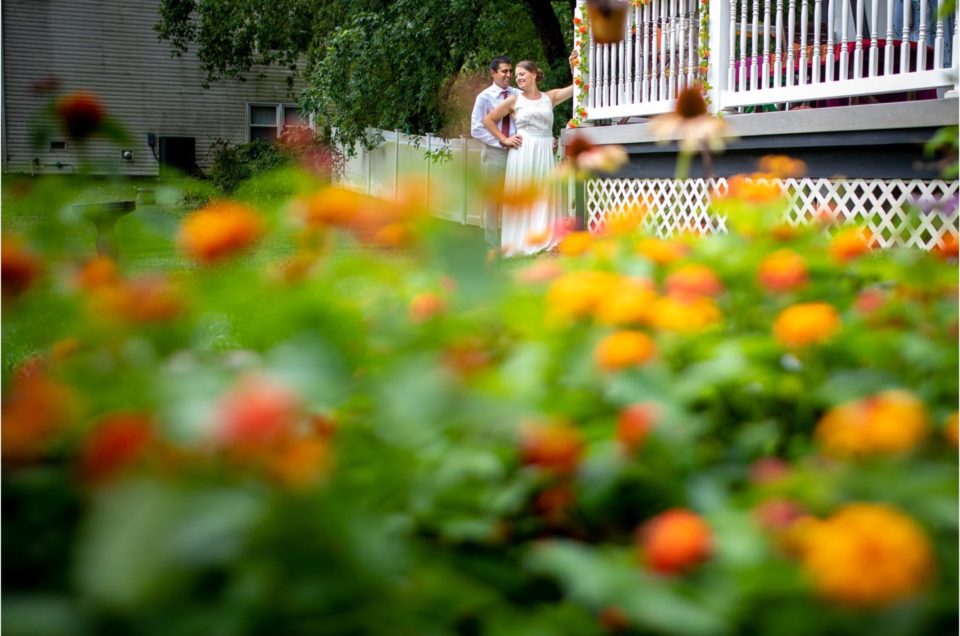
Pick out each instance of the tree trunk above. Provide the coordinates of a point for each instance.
(547, 24)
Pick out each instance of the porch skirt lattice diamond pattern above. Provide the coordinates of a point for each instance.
(912, 213)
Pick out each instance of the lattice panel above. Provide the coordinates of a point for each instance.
(912, 213)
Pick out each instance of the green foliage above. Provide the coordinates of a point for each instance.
(235, 163)
(424, 510)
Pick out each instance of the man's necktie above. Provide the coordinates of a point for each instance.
(505, 122)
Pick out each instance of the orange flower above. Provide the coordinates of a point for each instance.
(806, 324)
(18, 267)
(425, 306)
(625, 222)
(753, 188)
(118, 442)
(576, 295)
(219, 230)
(99, 271)
(693, 279)
(782, 166)
(629, 305)
(889, 422)
(298, 463)
(142, 300)
(467, 357)
(634, 425)
(850, 243)
(255, 414)
(950, 431)
(34, 409)
(81, 114)
(624, 349)
(947, 248)
(865, 555)
(675, 541)
(336, 207)
(576, 243)
(684, 314)
(556, 447)
(782, 271)
(662, 251)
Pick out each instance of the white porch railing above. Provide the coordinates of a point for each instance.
(770, 52)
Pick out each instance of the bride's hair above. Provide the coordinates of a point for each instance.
(533, 68)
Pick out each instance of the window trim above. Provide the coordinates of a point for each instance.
(279, 111)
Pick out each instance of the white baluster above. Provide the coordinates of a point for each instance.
(637, 56)
(694, 67)
(621, 74)
(888, 45)
(672, 74)
(874, 42)
(804, 30)
(858, 47)
(922, 38)
(844, 24)
(732, 66)
(682, 45)
(938, 42)
(592, 77)
(744, 60)
(628, 97)
(791, 31)
(662, 72)
(830, 42)
(817, 16)
(905, 39)
(778, 51)
(765, 82)
(605, 95)
(755, 60)
(647, 48)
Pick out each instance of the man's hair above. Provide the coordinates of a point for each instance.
(497, 61)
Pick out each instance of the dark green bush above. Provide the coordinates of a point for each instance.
(234, 163)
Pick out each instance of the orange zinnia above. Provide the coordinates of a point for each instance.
(806, 324)
(624, 349)
(219, 230)
(675, 541)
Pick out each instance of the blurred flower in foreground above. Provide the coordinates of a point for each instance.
(624, 349)
(81, 114)
(630, 305)
(116, 443)
(888, 422)
(693, 279)
(952, 430)
(850, 243)
(542, 270)
(769, 470)
(782, 271)
(623, 221)
(634, 425)
(806, 324)
(18, 267)
(947, 248)
(256, 412)
(754, 188)
(35, 408)
(218, 230)
(555, 447)
(147, 299)
(686, 313)
(674, 541)
(782, 166)
(607, 159)
(865, 555)
(691, 123)
(96, 273)
(426, 305)
(576, 295)
(778, 514)
(662, 251)
(575, 243)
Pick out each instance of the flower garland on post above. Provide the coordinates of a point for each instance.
(704, 50)
(581, 29)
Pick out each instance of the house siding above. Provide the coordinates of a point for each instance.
(109, 48)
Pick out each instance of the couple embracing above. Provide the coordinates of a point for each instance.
(516, 128)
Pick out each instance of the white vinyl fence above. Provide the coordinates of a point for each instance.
(453, 181)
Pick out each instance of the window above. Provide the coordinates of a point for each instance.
(267, 121)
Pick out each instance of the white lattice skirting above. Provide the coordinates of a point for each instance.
(913, 213)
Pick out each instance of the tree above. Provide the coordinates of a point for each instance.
(387, 64)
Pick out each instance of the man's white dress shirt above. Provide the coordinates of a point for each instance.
(488, 99)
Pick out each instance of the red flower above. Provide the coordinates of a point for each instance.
(117, 443)
(256, 413)
(675, 541)
(554, 447)
(634, 424)
(18, 267)
(81, 114)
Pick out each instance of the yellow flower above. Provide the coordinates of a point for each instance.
(630, 305)
(850, 243)
(575, 243)
(219, 230)
(576, 295)
(662, 251)
(806, 324)
(889, 422)
(624, 349)
(865, 555)
(684, 313)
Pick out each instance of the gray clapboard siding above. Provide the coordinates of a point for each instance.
(109, 48)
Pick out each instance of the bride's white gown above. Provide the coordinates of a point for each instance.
(530, 228)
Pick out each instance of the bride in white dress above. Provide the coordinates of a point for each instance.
(529, 227)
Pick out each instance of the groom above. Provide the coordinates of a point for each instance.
(493, 158)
